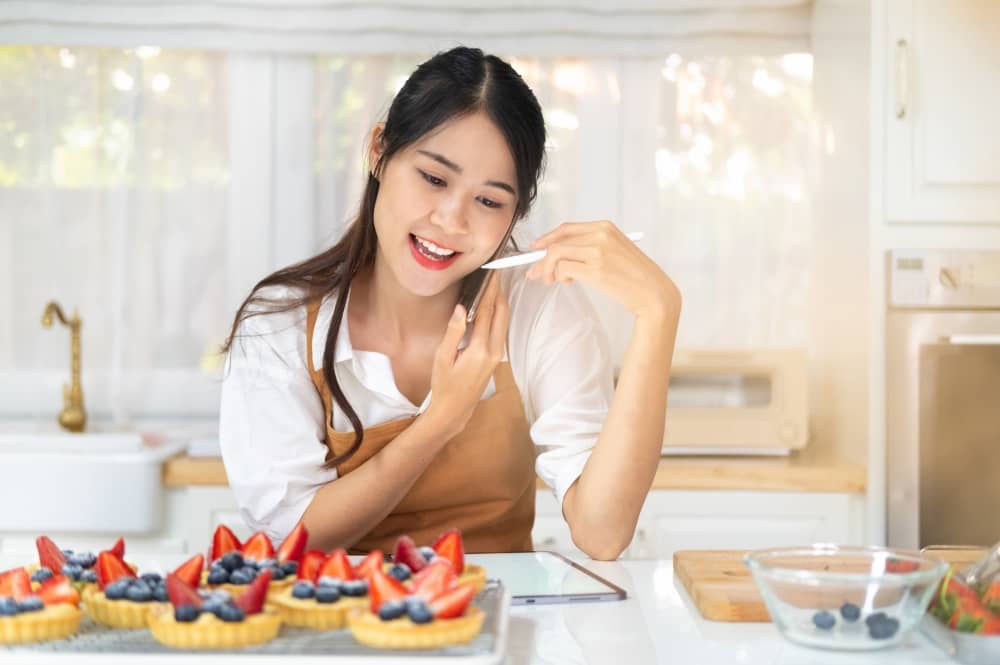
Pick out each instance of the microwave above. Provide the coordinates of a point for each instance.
(737, 402)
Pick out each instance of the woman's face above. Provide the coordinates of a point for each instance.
(444, 204)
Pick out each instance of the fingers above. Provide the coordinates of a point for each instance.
(498, 327)
(444, 357)
(557, 255)
(604, 228)
(484, 315)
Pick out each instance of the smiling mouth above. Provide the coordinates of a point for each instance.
(432, 251)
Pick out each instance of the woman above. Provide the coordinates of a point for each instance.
(354, 399)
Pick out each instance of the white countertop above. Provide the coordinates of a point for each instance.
(657, 624)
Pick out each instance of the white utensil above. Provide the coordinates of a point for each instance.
(531, 257)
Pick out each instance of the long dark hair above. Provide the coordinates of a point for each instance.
(449, 85)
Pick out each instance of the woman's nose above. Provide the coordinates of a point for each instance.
(450, 215)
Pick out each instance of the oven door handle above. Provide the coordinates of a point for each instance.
(985, 339)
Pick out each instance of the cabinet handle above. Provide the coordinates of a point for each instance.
(901, 78)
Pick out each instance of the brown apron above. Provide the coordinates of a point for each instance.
(482, 482)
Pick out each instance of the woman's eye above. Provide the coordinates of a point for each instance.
(437, 182)
(490, 203)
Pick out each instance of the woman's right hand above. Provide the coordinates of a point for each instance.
(459, 377)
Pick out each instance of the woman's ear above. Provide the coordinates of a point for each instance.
(375, 149)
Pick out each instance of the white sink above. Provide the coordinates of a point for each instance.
(99, 481)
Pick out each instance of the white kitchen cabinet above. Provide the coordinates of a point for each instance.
(941, 61)
(705, 519)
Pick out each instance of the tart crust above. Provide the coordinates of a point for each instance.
(402, 633)
(307, 613)
(122, 613)
(210, 632)
(54, 622)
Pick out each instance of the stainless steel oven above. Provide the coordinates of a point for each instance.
(943, 397)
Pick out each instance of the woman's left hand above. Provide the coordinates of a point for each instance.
(599, 254)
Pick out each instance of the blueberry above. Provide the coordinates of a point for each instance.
(427, 552)
(82, 559)
(418, 611)
(231, 613)
(140, 593)
(186, 613)
(884, 629)
(212, 606)
(41, 574)
(326, 580)
(327, 594)
(160, 593)
(89, 575)
(277, 573)
(232, 560)
(850, 612)
(354, 588)
(824, 620)
(72, 571)
(400, 571)
(8, 606)
(218, 576)
(30, 604)
(392, 609)
(303, 589)
(67, 553)
(290, 567)
(243, 575)
(878, 617)
(266, 563)
(221, 595)
(152, 579)
(117, 589)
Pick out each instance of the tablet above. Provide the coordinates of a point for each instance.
(535, 578)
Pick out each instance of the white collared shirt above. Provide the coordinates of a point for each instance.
(272, 428)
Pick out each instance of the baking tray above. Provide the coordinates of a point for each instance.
(487, 648)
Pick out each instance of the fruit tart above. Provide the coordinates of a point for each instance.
(123, 600)
(77, 566)
(37, 611)
(408, 559)
(214, 620)
(326, 590)
(428, 611)
(234, 565)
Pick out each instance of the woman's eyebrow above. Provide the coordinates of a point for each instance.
(444, 161)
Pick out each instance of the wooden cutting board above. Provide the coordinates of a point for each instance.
(722, 589)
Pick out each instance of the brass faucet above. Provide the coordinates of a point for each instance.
(73, 417)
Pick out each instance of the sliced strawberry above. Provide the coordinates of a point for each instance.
(336, 565)
(436, 578)
(49, 555)
(893, 565)
(374, 561)
(190, 570)
(58, 589)
(15, 582)
(310, 565)
(110, 567)
(294, 545)
(258, 547)
(449, 546)
(382, 587)
(119, 548)
(991, 597)
(251, 601)
(406, 552)
(223, 540)
(181, 593)
(452, 603)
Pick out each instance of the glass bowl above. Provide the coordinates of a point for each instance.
(849, 598)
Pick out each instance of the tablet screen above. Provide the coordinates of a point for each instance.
(545, 577)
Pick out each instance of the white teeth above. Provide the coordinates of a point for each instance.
(434, 249)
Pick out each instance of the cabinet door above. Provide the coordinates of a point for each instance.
(686, 520)
(942, 64)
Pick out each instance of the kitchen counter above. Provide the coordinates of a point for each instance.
(808, 471)
(657, 624)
